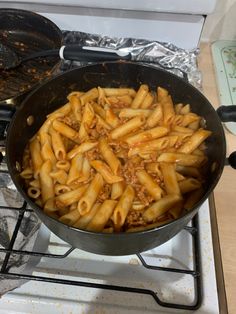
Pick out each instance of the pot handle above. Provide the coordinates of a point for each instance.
(231, 160)
(227, 113)
(6, 114)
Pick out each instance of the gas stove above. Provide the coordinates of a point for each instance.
(184, 275)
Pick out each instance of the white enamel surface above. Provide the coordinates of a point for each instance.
(39, 297)
(173, 6)
(182, 30)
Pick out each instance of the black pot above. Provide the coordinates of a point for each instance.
(52, 95)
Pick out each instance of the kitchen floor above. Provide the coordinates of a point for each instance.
(225, 196)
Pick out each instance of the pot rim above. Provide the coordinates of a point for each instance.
(121, 234)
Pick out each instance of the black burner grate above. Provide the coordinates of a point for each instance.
(195, 272)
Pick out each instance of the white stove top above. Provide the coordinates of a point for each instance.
(41, 297)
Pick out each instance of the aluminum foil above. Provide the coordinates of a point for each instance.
(159, 54)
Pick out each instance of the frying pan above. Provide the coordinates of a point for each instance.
(26, 32)
(52, 94)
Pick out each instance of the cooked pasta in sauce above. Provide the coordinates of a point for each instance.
(117, 160)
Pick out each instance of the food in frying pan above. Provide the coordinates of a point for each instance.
(117, 160)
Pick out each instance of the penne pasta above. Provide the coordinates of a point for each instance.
(140, 96)
(155, 168)
(147, 135)
(150, 185)
(131, 113)
(181, 129)
(61, 188)
(70, 218)
(119, 91)
(162, 94)
(35, 183)
(119, 101)
(86, 169)
(63, 165)
(188, 171)
(123, 206)
(84, 147)
(99, 110)
(127, 127)
(185, 109)
(70, 197)
(76, 106)
(57, 145)
(105, 171)
(109, 156)
(87, 120)
(155, 145)
(138, 206)
(46, 182)
(178, 108)
(182, 159)
(66, 131)
(46, 149)
(155, 117)
(59, 176)
(194, 141)
(73, 206)
(50, 208)
(160, 207)
(147, 102)
(170, 178)
(34, 192)
(117, 160)
(168, 111)
(27, 173)
(102, 123)
(84, 220)
(111, 118)
(189, 118)
(37, 160)
(90, 95)
(117, 190)
(102, 215)
(194, 125)
(176, 210)
(76, 168)
(90, 196)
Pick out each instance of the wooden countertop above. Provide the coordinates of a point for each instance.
(225, 192)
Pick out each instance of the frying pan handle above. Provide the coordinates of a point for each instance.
(227, 113)
(83, 53)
